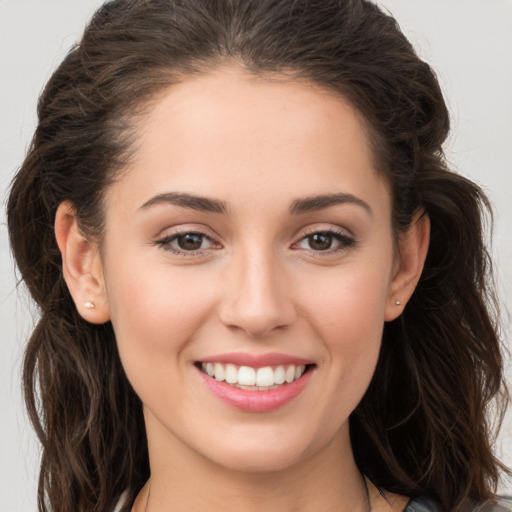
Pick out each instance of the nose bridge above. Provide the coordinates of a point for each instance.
(257, 298)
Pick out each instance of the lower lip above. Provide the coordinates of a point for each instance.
(256, 401)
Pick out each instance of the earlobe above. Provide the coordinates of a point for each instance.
(81, 266)
(413, 248)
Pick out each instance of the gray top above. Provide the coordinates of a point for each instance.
(503, 504)
(422, 505)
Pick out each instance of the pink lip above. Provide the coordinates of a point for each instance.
(256, 401)
(256, 361)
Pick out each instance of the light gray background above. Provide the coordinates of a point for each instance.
(469, 43)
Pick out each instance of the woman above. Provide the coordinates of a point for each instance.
(260, 285)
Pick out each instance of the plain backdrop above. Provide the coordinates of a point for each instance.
(468, 42)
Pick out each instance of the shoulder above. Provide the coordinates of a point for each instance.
(424, 504)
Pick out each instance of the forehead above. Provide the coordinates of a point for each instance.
(227, 129)
(231, 99)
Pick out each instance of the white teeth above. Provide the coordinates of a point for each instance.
(279, 375)
(290, 374)
(299, 371)
(219, 371)
(231, 374)
(246, 377)
(265, 376)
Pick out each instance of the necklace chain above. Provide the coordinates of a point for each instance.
(367, 493)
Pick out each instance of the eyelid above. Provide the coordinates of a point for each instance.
(325, 228)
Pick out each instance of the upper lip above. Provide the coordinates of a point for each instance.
(256, 361)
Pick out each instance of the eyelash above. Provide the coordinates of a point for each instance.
(165, 243)
(344, 240)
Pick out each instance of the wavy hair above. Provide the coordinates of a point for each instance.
(423, 426)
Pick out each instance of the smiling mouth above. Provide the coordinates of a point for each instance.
(254, 379)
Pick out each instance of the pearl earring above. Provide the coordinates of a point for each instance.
(89, 305)
(397, 303)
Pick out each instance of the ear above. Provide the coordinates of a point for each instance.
(81, 266)
(412, 251)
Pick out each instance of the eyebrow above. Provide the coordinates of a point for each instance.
(316, 203)
(299, 206)
(203, 204)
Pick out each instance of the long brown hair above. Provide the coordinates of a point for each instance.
(423, 425)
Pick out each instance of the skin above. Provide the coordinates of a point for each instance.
(256, 285)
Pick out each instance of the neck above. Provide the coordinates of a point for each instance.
(183, 481)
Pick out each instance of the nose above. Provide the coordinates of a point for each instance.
(257, 297)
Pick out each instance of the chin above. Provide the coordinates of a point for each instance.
(268, 451)
(262, 460)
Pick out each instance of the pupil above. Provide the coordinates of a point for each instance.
(190, 241)
(320, 241)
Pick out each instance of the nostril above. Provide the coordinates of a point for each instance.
(258, 306)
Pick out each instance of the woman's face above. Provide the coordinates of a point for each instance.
(251, 232)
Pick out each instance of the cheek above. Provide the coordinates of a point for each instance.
(155, 312)
(347, 313)
(348, 302)
(344, 314)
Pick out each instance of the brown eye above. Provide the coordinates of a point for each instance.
(328, 241)
(187, 243)
(190, 241)
(320, 241)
